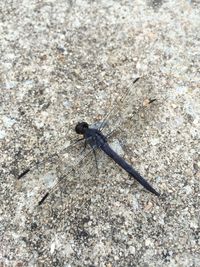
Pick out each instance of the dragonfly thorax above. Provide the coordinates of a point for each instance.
(81, 127)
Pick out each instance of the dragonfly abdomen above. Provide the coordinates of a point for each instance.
(128, 168)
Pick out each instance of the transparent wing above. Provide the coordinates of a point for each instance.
(131, 102)
(55, 171)
(65, 177)
(115, 109)
(49, 158)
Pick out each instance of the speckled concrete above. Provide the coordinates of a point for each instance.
(65, 61)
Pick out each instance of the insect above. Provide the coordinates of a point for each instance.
(95, 138)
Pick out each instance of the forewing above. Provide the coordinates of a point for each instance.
(57, 171)
(121, 108)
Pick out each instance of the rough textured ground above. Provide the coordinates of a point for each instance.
(64, 61)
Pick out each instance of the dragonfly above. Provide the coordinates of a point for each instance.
(96, 140)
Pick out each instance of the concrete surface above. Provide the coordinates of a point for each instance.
(65, 61)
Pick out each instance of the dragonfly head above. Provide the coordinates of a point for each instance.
(81, 127)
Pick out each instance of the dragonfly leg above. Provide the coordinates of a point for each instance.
(85, 145)
(95, 158)
(110, 133)
(78, 140)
